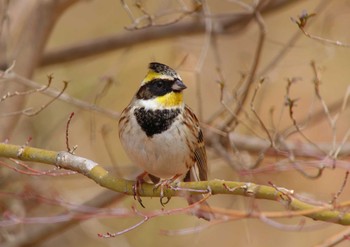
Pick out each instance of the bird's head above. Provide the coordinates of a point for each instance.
(162, 87)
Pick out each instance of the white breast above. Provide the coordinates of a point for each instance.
(163, 155)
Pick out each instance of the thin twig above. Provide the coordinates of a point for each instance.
(252, 108)
(30, 111)
(331, 121)
(341, 189)
(302, 21)
(28, 92)
(244, 89)
(148, 19)
(63, 97)
(291, 103)
(67, 135)
(203, 54)
(112, 235)
(336, 239)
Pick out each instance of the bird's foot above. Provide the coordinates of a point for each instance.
(138, 186)
(165, 183)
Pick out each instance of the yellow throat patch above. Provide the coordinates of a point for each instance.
(170, 99)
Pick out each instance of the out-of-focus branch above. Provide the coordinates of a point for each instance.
(25, 28)
(255, 145)
(35, 236)
(96, 172)
(302, 21)
(126, 39)
(56, 93)
(336, 239)
(245, 88)
(118, 41)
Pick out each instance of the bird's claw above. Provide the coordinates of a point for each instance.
(136, 188)
(162, 184)
(165, 183)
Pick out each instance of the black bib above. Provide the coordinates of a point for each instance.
(155, 121)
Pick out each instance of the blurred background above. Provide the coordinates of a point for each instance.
(222, 51)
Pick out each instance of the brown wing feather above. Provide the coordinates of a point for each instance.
(199, 151)
(201, 157)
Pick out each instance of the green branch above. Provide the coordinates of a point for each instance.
(96, 172)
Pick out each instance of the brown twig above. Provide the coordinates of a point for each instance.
(150, 215)
(154, 20)
(336, 239)
(34, 172)
(67, 135)
(291, 103)
(30, 111)
(62, 96)
(246, 86)
(341, 189)
(25, 45)
(115, 234)
(34, 236)
(28, 92)
(302, 21)
(252, 108)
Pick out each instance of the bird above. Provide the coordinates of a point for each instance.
(162, 135)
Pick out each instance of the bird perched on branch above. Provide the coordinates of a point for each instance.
(162, 135)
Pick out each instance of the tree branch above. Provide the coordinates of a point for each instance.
(34, 236)
(117, 41)
(11, 76)
(25, 28)
(256, 144)
(94, 171)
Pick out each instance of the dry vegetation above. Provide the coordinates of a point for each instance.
(269, 80)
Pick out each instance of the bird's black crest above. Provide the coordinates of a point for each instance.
(162, 69)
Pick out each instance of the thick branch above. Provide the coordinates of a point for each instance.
(96, 172)
(127, 39)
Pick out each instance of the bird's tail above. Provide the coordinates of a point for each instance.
(203, 209)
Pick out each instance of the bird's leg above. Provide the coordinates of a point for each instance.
(137, 186)
(165, 183)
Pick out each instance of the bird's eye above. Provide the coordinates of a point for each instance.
(159, 84)
(159, 87)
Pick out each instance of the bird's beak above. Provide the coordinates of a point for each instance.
(178, 86)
